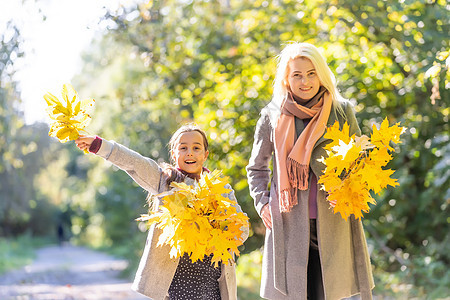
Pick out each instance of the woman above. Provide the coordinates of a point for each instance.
(309, 252)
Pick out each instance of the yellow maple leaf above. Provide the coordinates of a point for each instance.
(354, 167)
(384, 179)
(351, 199)
(330, 181)
(335, 134)
(69, 116)
(348, 153)
(380, 156)
(334, 163)
(200, 220)
(220, 245)
(383, 136)
(368, 173)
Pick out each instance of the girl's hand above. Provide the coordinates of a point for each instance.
(83, 142)
(266, 216)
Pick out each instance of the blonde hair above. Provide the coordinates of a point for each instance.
(326, 77)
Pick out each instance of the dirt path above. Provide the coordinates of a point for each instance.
(68, 272)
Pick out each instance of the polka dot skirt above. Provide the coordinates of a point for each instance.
(195, 281)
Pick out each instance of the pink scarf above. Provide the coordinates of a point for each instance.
(293, 157)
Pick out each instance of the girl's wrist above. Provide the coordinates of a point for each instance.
(96, 144)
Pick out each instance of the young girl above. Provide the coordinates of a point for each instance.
(309, 252)
(159, 276)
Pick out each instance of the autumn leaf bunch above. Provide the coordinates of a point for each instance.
(69, 115)
(355, 166)
(199, 220)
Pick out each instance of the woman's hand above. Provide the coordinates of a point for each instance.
(266, 216)
(84, 142)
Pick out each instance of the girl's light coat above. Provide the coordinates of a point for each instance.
(156, 268)
(345, 261)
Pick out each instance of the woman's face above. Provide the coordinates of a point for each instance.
(189, 153)
(302, 78)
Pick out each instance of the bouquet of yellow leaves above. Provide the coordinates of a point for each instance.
(354, 166)
(199, 220)
(69, 115)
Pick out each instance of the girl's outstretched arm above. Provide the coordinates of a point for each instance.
(232, 196)
(144, 171)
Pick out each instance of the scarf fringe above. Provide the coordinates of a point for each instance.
(288, 198)
(298, 174)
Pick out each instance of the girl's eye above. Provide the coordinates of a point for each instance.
(312, 74)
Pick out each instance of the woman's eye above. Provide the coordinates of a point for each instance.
(312, 74)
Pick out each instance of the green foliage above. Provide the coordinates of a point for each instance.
(19, 251)
(248, 275)
(113, 197)
(22, 148)
(9, 124)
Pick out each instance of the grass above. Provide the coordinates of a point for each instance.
(248, 275)
(18, 252)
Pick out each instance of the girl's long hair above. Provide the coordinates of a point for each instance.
(327, 79)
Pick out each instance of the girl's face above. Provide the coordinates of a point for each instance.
(302, 78)
(189, 153)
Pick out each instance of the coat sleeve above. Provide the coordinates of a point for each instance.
(144, 171)
(258, 171)
(232, 196)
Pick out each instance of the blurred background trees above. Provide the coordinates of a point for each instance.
(163, 63)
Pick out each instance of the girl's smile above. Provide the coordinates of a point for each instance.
(190, 154)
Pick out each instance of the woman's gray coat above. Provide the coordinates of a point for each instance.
(344, 256)
(156, 268)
